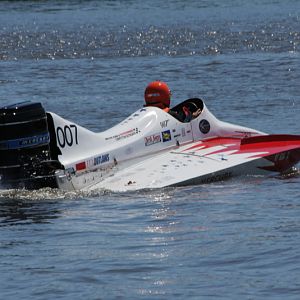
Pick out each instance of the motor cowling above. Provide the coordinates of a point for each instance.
(25, 147)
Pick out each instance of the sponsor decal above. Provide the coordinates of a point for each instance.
(69, 173)
(98, 160)
(217, 177)
(166, 136)
(281, 156)
(101, 159)
(124, 135)
(177, 135)
(164, 123)
(245, 133)
(152, 139)
(25, 142)
(204, 126)
(80, 166)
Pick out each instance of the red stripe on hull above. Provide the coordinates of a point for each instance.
(281, 138)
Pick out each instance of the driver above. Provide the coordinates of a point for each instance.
(158, 94)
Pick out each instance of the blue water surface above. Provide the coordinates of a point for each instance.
(89, 61)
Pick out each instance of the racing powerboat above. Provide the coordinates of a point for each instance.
(150, 149)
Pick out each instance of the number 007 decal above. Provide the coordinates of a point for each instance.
(67, 135)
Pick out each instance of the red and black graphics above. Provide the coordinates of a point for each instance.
(282, 150)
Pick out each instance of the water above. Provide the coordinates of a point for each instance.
(90, 61)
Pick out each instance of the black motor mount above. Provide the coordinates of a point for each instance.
(26, 160)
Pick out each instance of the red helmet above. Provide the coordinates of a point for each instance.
(157, 94)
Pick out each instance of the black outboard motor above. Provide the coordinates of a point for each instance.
(25, 150)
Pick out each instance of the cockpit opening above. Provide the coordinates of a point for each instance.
(188, 109)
